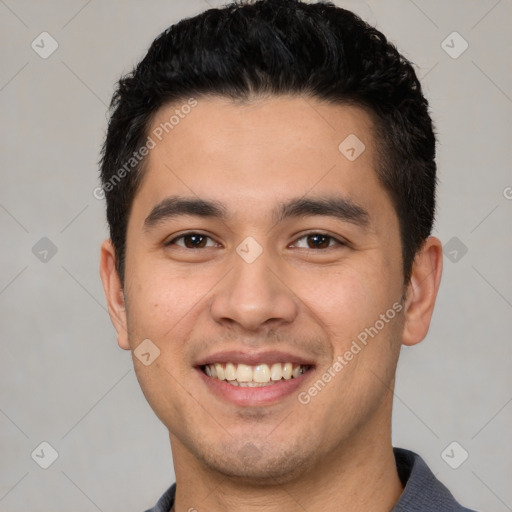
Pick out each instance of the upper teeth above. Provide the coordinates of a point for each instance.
(261, 373)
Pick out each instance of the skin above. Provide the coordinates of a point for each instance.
(294, 297)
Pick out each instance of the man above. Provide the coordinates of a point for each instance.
(269, 171)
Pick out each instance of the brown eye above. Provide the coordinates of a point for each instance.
(319, 241)
(191, 241)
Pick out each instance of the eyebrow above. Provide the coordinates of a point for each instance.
(341, 208)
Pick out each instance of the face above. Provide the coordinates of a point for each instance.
(231, 264)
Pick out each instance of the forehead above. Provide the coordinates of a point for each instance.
(277, 126)
(250, 154)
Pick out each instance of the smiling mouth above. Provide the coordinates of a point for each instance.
(260, 375)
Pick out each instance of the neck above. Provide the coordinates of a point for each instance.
(358, 476)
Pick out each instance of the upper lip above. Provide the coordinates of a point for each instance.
(253, 358)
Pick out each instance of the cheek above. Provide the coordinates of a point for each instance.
(165, 300)
(348, 303)
(346, 299)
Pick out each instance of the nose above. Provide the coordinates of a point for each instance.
(254, 296)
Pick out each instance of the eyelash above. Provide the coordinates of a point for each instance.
(331, 238)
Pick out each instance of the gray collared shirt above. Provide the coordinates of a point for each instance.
(423, 492)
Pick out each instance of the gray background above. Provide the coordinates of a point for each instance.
(63, 378)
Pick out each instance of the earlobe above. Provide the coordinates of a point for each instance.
(422, 291)
(114, 292)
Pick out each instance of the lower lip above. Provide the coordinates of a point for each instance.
(261, 395)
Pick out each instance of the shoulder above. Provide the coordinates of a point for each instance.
(422, 490)
(166, 501)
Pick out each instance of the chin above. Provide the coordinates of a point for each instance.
(254, 466)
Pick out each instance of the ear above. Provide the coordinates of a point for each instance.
(114, 292)
(422, 291)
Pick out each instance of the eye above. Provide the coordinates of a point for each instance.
(191, 241)
(320, 241)
(200, 241)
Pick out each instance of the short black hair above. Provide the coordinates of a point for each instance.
(275, 47)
